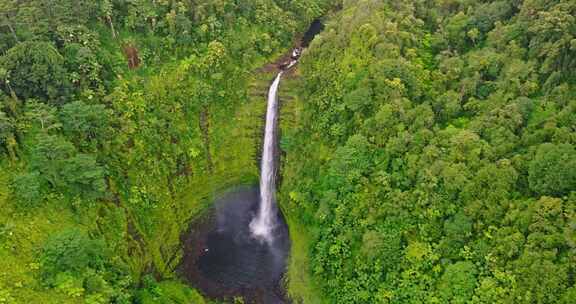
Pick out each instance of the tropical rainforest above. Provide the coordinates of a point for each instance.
(428, 146)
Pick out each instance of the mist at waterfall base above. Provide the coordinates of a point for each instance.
(233, 262)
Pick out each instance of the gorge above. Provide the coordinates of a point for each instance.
(243, 248)
(174, 152)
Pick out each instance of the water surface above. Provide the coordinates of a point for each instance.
(229, 261)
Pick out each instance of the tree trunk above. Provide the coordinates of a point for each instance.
(111, 26)
(12, 31)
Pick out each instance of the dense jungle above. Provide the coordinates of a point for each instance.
(426, 148)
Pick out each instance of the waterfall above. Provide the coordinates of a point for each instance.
(264, 223)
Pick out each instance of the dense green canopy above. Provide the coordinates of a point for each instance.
(434, 160)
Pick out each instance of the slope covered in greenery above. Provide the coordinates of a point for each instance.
(429, 146)
(118, 121)
(433, 160)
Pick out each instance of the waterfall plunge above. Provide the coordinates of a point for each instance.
(264, 223)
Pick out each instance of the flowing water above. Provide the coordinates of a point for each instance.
(264, 223)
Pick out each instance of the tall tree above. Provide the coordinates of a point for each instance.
(36, 69)
(553, 170)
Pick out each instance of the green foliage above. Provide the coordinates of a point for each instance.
(49, 157)
(70, 251)
(6, 127)
(458, 282)
(82, 64)
(85, 124)
(65, 170)
(128, 156)
(36, 69)
(84, 177)
(29, 188)
(80, 267)
(553, 170)
(167, 292)
(7, 134)
(433, 153)
(39, 117)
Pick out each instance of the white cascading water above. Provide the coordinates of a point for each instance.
(264, 223)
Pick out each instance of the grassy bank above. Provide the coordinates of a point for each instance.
(299, 284)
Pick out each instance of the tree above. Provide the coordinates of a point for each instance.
(456, 29)
(7, 16)
(7, 138)
(40, 117)
(553, 169)
(569, 295)
(36, 70)
(77, 265)
(84, 177)
(84, 123)
(552, 39)
(29, 188)
(70, 251)
(77, 174)
(53, 13)
(106, 9)
(458, 228)
(458, 282)
(49, 156)
(81, 59)
(540, 278)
